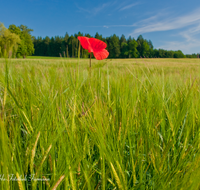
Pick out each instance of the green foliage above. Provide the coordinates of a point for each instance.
(161, 53)
(9, 42)
(97, 36)
(26, 47)
(2, 29)
(15, 29)
(133, 52)
(192, 56)
(179, 54)
(124, 50)
(113, 46)
(144, 47)
(67, 46)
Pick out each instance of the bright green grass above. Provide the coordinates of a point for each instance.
(124, 124)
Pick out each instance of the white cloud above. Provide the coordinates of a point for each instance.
(100, 8)
(185, 46)
(122, 25)
(128, 6)
(191, 33)
(190, 42)
(188, 24)
(94, 10)
(152, 24)
(83, 10)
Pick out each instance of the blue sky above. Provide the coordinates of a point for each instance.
(171, 25)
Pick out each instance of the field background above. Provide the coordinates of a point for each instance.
(123, 124)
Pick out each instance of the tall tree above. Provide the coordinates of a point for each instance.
(26, 47)
(145, 49)
(57, 45)
(71, 46)
(46, 46)
(97, 36)
(133, 52)
(124, 50)
(8, 42)
(38, 43)
(113, 46)
(66, 38)
(150, 44)
(122, 39)
(123, 47)
(140, 41)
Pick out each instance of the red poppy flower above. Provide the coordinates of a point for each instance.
(94, 45)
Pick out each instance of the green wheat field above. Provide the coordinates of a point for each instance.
(123, 124)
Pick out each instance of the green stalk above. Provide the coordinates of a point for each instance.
(90, 59)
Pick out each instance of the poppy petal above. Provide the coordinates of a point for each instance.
(96, 44)
(85, 43)
(100, 55)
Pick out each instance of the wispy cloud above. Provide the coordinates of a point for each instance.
(83, 10)
(94, 10)
(122, 25)
(128, 6)
(190, 34)
(186, 26)
(186, 47)
(100, 8)
(188, 44)
(111, 26)
(153, 24)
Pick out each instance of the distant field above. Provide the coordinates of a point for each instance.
(42, 57)
(123, 124)
(152, 61)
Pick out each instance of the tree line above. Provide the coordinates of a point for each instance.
(18, 42)
(68, 46)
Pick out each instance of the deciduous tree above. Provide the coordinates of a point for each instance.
(26, 47)
(8, 42)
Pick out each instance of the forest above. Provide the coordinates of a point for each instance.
(17, 41)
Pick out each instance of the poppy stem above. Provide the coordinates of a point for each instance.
(90, 59)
